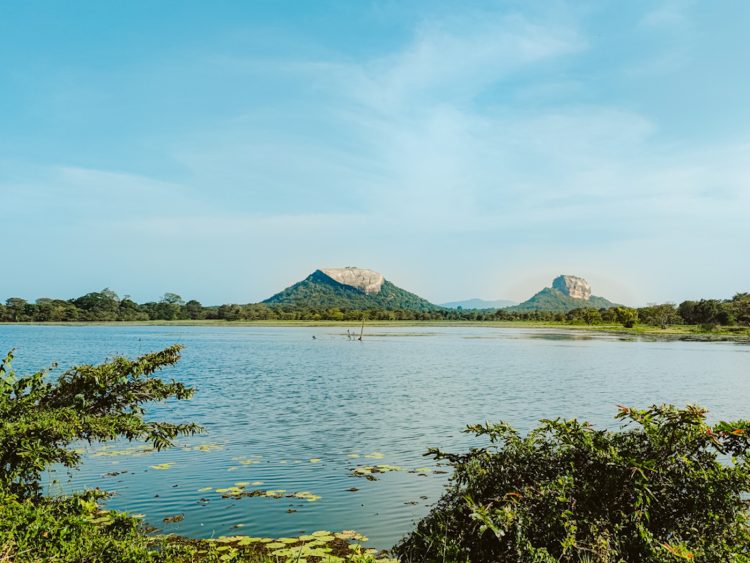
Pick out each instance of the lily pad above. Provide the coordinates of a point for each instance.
(306, 495)
(275, 545)
(137, 451)
(351, 535)
(173, 519)
(369, 470)
(203, 448)
(162, 466)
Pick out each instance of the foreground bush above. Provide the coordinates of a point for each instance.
(666, 487)
(75, 529)
(40, 421)
(40, 418)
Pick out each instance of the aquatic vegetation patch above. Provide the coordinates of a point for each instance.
(318, 547)
(369, 471)
(240, 490)
(208, 447)
(375, 455)
(248, 460)
(306, 495)
(162, 466)
(114, 473)
(135, 451)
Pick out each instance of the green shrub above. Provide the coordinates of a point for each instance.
(75, 529)
(667, 487)
(40, 418)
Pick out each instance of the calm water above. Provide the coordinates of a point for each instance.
(276, 398)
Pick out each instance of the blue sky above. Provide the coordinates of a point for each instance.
(224, 150)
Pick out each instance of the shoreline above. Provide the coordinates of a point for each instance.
(687, 333)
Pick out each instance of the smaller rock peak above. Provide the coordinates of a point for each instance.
(572, 286)
(366, 280)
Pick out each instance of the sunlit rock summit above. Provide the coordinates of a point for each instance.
(572, 286)
(567, 293)
(349, 288)
(366, 280)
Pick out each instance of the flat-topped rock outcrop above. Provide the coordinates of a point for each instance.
(366, 280)
(572, 286)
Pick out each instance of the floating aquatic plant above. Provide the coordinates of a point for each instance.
(306, 495)
(136, 451)
(173, 519)
(203, 447)
(239, 490)
(368, 470)
(162, 466)
(320, 546)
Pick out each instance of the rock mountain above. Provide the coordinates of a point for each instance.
(567, 293)
(349, 288)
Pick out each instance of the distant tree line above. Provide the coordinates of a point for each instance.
(106, 305)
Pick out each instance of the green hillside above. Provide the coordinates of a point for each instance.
(320, 291)
(550, 299)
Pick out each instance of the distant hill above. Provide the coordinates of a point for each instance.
(567, 293)
(349, 288)
(477, 303)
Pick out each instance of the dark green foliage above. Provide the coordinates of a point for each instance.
(665, 487)
(550, 299)
(74, 529)
(319, 291)
(626, 316)
(585, 314)
(659, 315)
(708, 312)
(740, 305)
(41, 418)
(98, 305)
(321, 298)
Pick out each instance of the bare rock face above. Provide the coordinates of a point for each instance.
(572, 286)
(366, 280)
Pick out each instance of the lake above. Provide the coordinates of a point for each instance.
(273, 398)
